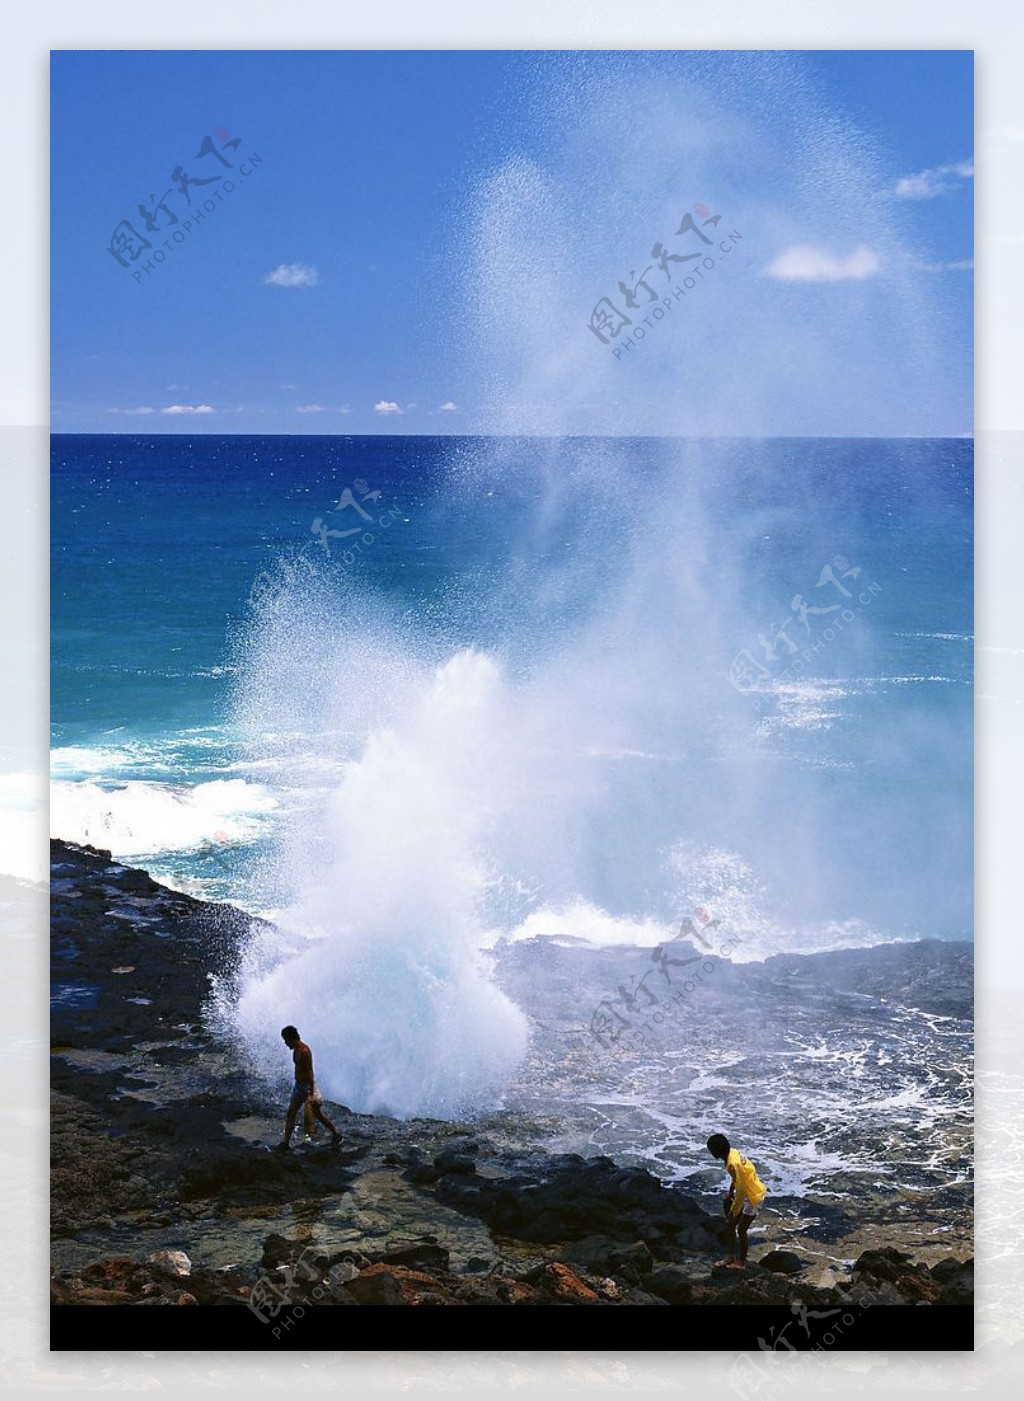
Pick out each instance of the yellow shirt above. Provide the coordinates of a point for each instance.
(748, 1185)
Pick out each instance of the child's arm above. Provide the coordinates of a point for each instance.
(737, 1192)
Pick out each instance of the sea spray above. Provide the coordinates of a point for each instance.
(390, 988)
(548, 745)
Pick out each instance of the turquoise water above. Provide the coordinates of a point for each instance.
(198, 721)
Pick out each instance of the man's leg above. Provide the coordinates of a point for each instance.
(289, 1124)
(319, 1114)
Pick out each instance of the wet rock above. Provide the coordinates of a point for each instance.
(117, 1269)
(671, 1283)
(600, 1255)
(452, 1160)
(156, 1124)
(880, 1270)
(458, 1190)
(957, 1286)
(355, 1258)
(170, 1262)
(558, 1284)
(420, 1170)
(886, 1263)
(882, 1292)
(376, 1286)
(392, 1284)
(783, 1262)
(418, 1257)
(571, 1197)
(954, 1280)
(277, 1250)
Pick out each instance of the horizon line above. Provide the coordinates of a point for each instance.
(695, 437)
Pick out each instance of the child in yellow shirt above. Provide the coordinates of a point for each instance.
(742, 1202)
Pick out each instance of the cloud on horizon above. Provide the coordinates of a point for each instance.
(171, 408)
(386, 406)
(293, 275)
(323, 408)
(939, 180)
(448, 407)
(805, 263)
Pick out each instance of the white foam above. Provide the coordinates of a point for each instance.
(141, 818)
(582, 920)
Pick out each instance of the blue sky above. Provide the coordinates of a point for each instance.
(419, 247)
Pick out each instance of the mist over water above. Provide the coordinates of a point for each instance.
(549, 743)
(623, 146)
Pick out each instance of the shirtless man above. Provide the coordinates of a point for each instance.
(304, 1091)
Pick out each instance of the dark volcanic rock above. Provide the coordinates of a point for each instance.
(956, 1284)
(600, 1255)
(783, 1262)
(452, 1160)
(419, 1257)
(885, 1263)
(673, 1283)
(572, 1197)
(934, 974)
(161, 1137)
(377, 1285)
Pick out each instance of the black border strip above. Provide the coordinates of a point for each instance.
(426, 1328)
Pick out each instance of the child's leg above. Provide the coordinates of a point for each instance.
(730, 1241)
(743, 1228)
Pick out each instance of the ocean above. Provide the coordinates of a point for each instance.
(419, 700)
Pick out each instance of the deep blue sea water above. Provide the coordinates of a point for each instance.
(815, 784)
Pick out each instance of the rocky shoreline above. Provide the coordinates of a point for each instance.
(165, 1188)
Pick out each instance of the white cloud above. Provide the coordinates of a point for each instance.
(805, 263)
(961, 265)
(386, 406)
(143, 408)
(312, 408)
(929, 184)
(448, 407)
(188, 408)
(293, 275)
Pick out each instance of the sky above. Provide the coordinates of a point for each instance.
(415, 242)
